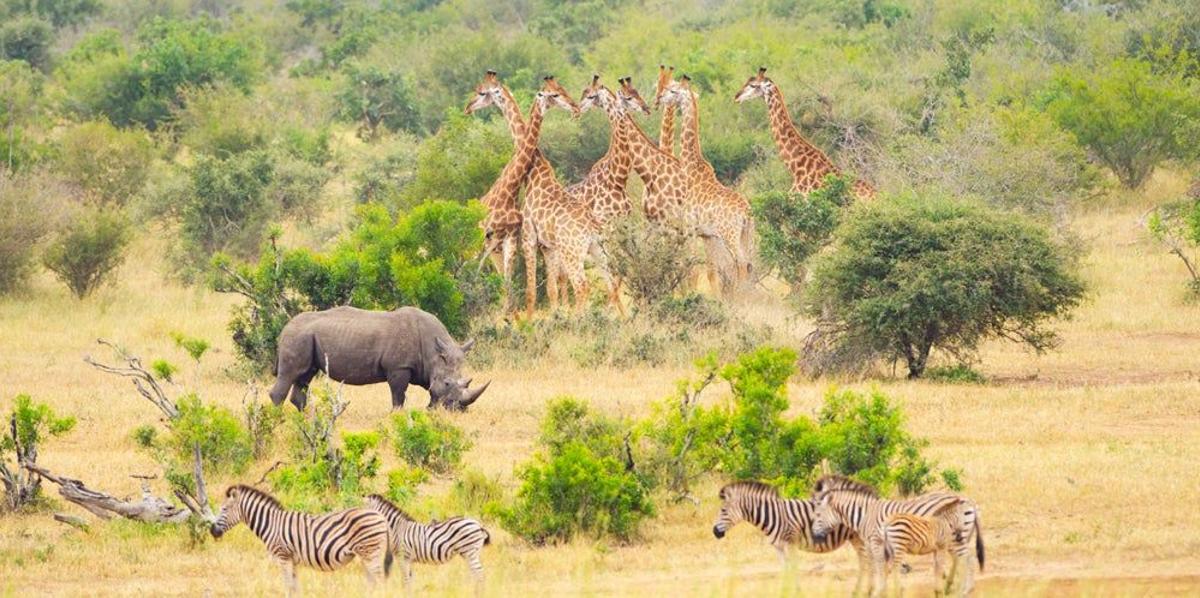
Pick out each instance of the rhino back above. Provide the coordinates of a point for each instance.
(361, 345)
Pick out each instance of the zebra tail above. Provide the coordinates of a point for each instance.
(979, 542)
(487, 538)
(387, 561)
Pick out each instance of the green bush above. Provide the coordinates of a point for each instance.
(1130, 117)
(910, 274)
(27, 425)
(88, 252)
(376, 97)
(652, 261)
(573, 492)
(459, 162)
(225, 445)
(959, 373)
(428, 440)
(21, 89)
(27, 38)
(792, 228)
(111, 164)
(570, 420)
(1176, 225)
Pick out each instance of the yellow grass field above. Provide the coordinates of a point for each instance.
(1084, 461)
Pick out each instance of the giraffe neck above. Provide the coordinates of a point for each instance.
(512, 115)
(501, 198)
(666, 133)
(807, 163)
(617, 156)
(689, 140)
(647, 158)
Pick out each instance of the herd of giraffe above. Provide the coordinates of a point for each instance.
(568, 225)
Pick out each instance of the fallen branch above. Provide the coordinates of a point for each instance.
(72, 521)
(150, 508)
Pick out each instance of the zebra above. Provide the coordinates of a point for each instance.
(326, 542)
(905, 534)
(434, 542)
(784, 521)
(842, 502)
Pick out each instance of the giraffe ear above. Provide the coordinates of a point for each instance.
(595, 79)
(762, 72)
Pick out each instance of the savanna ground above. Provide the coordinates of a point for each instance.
(1083, 460)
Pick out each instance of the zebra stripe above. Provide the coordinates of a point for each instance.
(325, 542)
(844, 502)
(784, 521)
(435, 542)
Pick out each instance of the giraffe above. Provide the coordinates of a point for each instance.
(728, 210)
(603, 189)
(596, 190)
(808, 164)
(564, 227)
(668, 198)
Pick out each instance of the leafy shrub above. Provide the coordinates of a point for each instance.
(574, 491)
(226, 207)
(914, 273)
(383, 263)
(792, 228)
(86, 254)
(225, 445)
(26, 427)
(428, 440)
(652, 261)
(21, 89)
(959, 373)
(474, 492)
(1176, 225)
(27, 38)
(111, 164)
(375, 97)
(103, 78)
(461, 161)
(221, 120)
(570, 420)
(748, 437)
(31, 207)
(1131, 118)
(402, 483)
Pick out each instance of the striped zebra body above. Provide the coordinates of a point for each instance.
(435, 542)
(784, 521)
(844, 502)
(905, 535)
(324, 542)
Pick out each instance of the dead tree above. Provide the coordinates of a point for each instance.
(143, 380)
(20, 487)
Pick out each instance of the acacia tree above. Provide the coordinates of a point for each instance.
(911, 274)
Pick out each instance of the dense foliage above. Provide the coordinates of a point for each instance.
(88, 251)
(27, 426)
(791, 228)
(913, 273)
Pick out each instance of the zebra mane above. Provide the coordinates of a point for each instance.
(748, 486)
(251, 490)
(390, 506)
(834, 481)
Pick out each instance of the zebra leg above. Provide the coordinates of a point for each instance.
(290, 585)
(861, 551)
(939, 578)
(408, 574)
(878, 565)
(476, 570)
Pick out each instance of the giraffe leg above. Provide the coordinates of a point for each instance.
(529, 249)
(614, 287)
(509, 255)
(552, 277)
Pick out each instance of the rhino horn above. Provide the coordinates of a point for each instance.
(466, 347)
(465, 382)
(471, 396)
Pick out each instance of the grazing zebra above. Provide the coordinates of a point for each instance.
(327, 542)
(784, 521)
(905, 534)
(843, 502)
(434, 542)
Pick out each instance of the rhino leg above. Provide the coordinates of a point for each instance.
(300, 389)
(398, 382)
(279, 392)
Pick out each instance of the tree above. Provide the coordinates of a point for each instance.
(1129, 116)
(111, 164)
(26, 427)
(20, 88)
(374, 96)
(27, 38)
(89, 250)
(1176, 225)
(912, 273)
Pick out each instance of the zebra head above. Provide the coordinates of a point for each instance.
(737, 500)
(231, 512)
(826, 517)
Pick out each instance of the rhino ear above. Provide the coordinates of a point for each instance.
(439, 345)
(466, 347)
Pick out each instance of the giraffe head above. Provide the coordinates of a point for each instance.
(757, 86)
(674, 93)
(552, 94)
(596, 95)
(489, 92)
(631, 100)
(666, 77)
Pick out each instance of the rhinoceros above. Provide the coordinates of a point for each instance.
(355, 346)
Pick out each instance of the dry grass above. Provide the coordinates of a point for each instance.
(1083, 460)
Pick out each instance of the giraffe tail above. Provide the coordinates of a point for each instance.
(747, 240)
